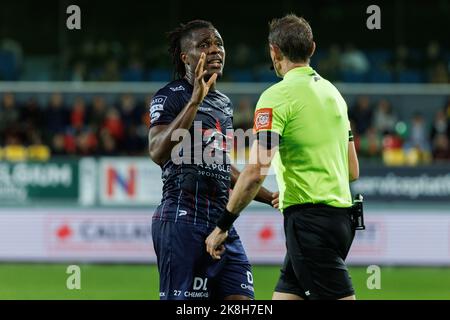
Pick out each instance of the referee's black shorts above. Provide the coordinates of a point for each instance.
(318, 238)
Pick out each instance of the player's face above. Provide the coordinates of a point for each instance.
(210, 42)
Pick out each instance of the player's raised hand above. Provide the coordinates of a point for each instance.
(214, 243)
(201, 87)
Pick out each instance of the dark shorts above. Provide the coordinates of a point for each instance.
(187, 271)
(318, 238)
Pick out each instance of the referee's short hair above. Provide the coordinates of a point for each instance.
(294, 37)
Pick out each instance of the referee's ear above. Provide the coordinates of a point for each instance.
(313, 49)
(276, 53)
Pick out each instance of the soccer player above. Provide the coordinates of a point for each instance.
(304, 117)
(195, 192)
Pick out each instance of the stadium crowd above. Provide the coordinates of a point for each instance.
(93, 127)
(101, 60)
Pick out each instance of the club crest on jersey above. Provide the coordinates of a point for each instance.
(263, 119)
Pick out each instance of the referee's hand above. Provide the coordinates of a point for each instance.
(275, 199)
(214, 243)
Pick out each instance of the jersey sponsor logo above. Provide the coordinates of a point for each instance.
(156, 108)
(263, 119)
(155, 116)
(200, 284)
(179, 88)
(249, 277)
(156, 105)
(158, 102)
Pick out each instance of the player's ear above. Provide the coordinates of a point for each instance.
(183, 57)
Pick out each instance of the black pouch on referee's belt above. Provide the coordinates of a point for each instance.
(357, 213)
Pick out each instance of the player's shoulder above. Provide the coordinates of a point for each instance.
(173, 88)
(174, 93)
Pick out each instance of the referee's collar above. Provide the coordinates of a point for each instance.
(307, 70)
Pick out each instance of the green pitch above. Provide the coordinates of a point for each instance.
(48, 281)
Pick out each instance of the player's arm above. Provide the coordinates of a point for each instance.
(263, 195)
(160, 141)
(353, 164)
(245, 189)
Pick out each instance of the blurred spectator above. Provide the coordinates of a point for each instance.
(70, 143)
(86, 143)
(135, 70)
(354, 60)
(111, 71)
(439, 73)
(58, 145)
(440, 125)
(242, 56)
(384, 117)
(13, 46)
(79, 72)
(87, 52)
(97, 113)
(78, 114)
(31, 119)
(441, 148)
(128, 111)
(402, 60)
(434, 55)
(11, 58)
(56, 115)
(418, 137)
(108, 145)
(243, 114)
(370, 144)
(134, 143)
(113, 125)
(9, 114)
(361, 114)
(330, 65)
(393, 154)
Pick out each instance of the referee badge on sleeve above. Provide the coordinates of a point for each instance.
(263, 119)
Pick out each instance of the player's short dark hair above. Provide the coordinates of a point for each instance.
(294, 37)
(176, 37)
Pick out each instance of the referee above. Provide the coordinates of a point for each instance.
(304, 117)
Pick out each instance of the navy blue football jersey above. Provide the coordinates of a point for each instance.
(197, 177)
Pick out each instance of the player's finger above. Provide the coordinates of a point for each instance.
(211, 251)
(200, 64)
(218, 251)
(211, 80)
(200, 77)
